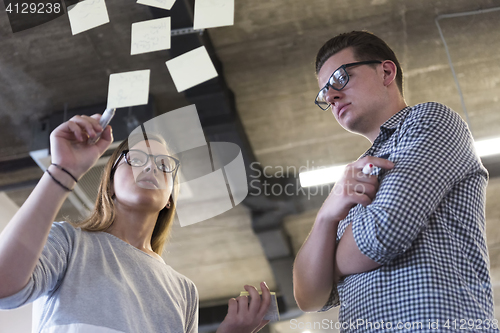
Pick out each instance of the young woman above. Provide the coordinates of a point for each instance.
(105, 274)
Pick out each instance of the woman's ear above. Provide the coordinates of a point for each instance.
(169, 204)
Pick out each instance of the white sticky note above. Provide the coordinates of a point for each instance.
(150, 36)
(86, 15)
(213, 13)
(191, 68)
(164, 4)
(128, 89)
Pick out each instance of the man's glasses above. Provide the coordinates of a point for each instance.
(338, 80)
(138, 158)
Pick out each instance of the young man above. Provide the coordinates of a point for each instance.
(405, 246)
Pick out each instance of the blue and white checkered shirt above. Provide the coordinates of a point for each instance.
(426, 227)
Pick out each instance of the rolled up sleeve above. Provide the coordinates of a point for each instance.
(333, 300)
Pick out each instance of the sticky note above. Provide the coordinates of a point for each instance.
(191, 68)
(164, 4)
(86, 15)
(150, 36)
(128, 89)
(213, 13)
(272, 313)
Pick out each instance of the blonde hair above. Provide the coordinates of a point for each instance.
(103, 215)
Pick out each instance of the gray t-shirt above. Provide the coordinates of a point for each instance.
(93, 282)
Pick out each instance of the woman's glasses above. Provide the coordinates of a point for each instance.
(138, 158)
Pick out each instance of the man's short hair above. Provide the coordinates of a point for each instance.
(365, 45)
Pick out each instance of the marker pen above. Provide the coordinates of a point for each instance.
(367, 169)
(106, 117)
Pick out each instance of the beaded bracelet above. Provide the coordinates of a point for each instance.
(58, 182)
(62, 169)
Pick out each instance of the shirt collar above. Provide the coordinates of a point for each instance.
(389, 127)
(393, 122)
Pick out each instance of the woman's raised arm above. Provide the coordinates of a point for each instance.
(23, 239)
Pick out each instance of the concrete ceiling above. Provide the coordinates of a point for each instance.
(268, 62)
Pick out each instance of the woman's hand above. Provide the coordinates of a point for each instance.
(243, 317)
(69, 147)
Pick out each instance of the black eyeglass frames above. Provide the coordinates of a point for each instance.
(337, 81)
(138, 158)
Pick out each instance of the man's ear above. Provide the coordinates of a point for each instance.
(390, 71)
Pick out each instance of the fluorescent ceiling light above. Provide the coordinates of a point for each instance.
(487, 147)
(321, 176)
(332, 174)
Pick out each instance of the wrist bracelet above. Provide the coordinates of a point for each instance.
(62, 169)
(58, 182)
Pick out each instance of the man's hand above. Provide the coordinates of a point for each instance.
(243, 317)
(353, 188)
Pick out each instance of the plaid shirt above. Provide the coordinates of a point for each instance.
(426, 227)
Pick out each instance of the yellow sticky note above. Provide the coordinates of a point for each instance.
(128, 89)
(163, 4)
(213, 13)
(191, 68)
(150, 36)
(86, 15)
